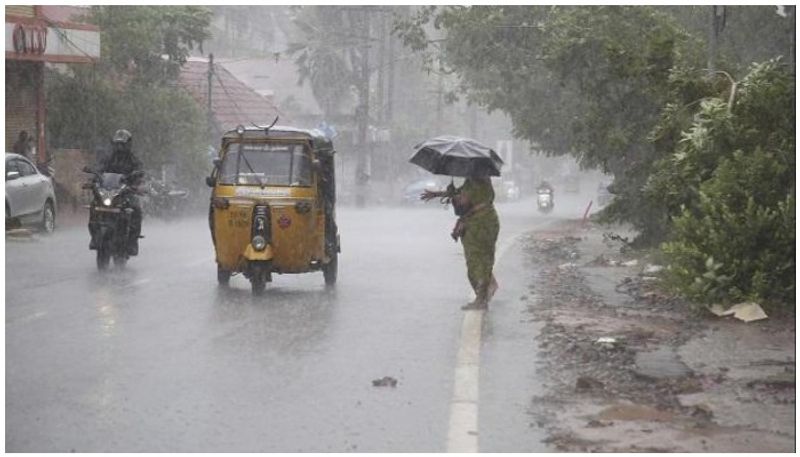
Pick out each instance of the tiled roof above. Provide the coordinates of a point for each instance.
(232, 102)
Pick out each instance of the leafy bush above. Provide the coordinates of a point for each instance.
(731, 184)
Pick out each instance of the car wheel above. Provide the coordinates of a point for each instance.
(48, 223)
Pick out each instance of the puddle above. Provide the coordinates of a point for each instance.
(634, 413)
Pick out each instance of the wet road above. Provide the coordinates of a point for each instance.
(157, 357)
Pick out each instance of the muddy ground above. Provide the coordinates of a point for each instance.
(665, 378)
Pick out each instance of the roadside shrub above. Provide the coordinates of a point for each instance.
(731, 182)
(742, 244)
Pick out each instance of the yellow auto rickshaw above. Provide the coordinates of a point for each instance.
(273, 203)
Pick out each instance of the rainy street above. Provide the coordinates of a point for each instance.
(158, 357)
(510, 228)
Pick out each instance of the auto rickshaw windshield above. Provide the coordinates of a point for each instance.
(271, 164)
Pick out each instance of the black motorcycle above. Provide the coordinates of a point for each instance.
(110, 215)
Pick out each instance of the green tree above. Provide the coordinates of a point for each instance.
(328, 54)
(585, 81)
(134, 86)
(150, 43)
(731, 184)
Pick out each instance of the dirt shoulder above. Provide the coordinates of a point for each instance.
(627, 368)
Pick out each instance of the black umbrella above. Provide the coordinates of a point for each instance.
(455, 156)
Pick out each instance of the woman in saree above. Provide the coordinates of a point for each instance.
(477, 227)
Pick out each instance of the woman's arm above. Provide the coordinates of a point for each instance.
(431, 194)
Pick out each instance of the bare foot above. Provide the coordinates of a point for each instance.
(475, 305)
(490, 291)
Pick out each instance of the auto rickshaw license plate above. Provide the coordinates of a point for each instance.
(239, 218)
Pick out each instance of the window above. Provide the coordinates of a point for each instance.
(25, 168)
(270, 164)
(12, 165)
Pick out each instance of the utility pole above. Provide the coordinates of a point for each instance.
(439, 101)
(381, 70)
(716, 26)
(390, 82)
(362, 114)
(790, 12)
(473, 121)
(210, 84)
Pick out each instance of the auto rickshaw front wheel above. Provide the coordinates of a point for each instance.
(331, 269)
(259, 275)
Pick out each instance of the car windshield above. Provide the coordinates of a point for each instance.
(271, 164)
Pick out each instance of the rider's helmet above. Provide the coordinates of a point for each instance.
(122, 140)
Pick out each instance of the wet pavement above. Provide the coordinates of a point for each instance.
(157, 357)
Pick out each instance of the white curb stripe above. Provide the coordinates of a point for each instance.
(462, 434)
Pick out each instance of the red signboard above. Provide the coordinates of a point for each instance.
(30, 39)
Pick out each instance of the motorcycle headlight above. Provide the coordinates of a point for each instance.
(259, 243)
(107, 201)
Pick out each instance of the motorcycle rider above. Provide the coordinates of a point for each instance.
(545, 186)
(123, 161)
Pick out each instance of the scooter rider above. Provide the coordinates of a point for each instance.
(545, 186)
(123, 161)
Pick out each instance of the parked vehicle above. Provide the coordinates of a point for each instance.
(544, 200)
(164, 200)
(273, 205)
(110, 214)
(30, 195)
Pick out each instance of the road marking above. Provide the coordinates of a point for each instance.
(462, 433)
(136, 283)
(28, 318)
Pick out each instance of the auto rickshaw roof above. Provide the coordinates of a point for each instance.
(318, 140)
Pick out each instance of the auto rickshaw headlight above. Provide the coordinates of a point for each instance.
(259, 243)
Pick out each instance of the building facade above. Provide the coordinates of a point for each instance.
(37, 36)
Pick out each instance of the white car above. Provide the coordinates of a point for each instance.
(30, 196)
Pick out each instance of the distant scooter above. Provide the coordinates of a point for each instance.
(544, 200)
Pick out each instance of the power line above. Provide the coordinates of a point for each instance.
(228, 94)
(233, 100)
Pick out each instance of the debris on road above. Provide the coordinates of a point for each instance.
(641, 367)
(747, 312)
(587, 383)
(607, 342)
(386, 381)
(652, 269)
